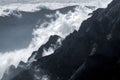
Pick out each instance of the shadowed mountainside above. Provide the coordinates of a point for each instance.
(92, 53)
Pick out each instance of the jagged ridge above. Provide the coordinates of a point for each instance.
(90, 53)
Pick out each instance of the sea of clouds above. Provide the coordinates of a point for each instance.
(62, 26)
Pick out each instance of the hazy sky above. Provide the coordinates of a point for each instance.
(42, 0)
(59, 1)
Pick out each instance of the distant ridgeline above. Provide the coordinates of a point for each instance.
(92, 53)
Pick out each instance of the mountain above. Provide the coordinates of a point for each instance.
(11, 72)
(103, 61)
(91, 53)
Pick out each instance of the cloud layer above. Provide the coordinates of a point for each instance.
(49, 1)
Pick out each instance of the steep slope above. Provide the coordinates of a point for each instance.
(90, 53)
(54, 42)
(103, 61)
(97, 41)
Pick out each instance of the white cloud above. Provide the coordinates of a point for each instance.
(14, 57)
(31, 7)
(44, 1)
(62, 26)
(47, 52)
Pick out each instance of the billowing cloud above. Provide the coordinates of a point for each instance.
(62, 26)
(54, 5)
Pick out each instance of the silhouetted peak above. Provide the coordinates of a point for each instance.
(53, 39)
(22, 63)
(114, 3)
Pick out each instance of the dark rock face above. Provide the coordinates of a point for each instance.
(92, 53)
(27, 69)
(103, 61)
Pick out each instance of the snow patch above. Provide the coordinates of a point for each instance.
(32, 59)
